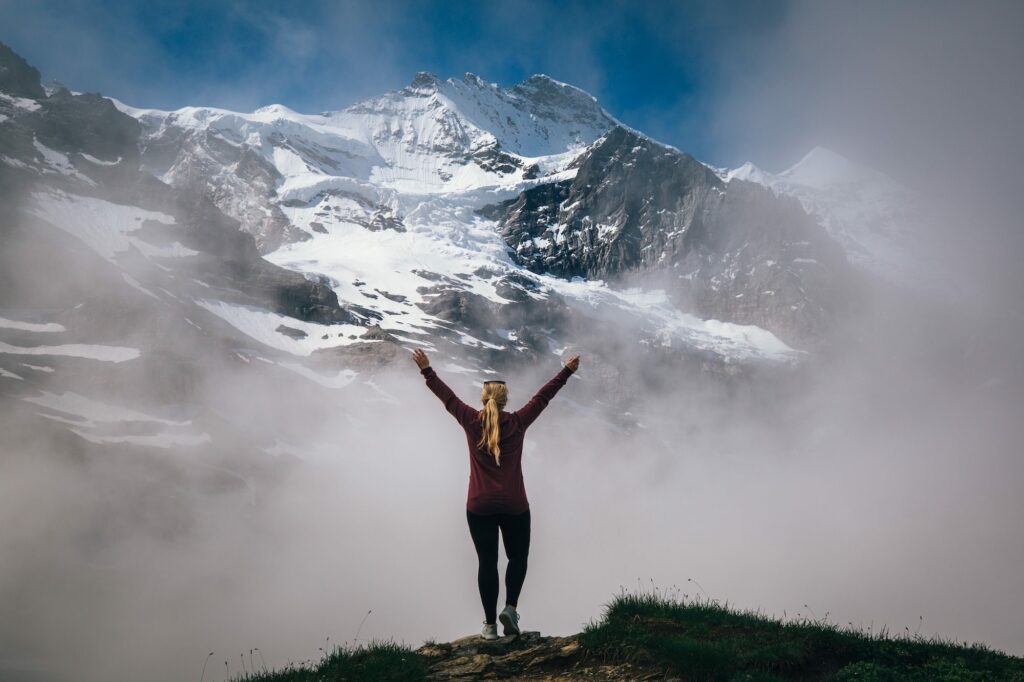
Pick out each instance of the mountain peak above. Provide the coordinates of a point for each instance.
(475, 80)
(543, 85)
(821, 154)
(424, 80)
(537, 117)
(822, 166)
(541, 78)
(749, 172)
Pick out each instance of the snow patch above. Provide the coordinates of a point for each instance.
(59, 163)
(99, 162)
(77, 350)
(38, 368)
(6, 323)
(90, 412)
(20, 102)
(261, 325)
(342, 379)
(107, 228)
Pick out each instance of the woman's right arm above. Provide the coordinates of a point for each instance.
(458, 409)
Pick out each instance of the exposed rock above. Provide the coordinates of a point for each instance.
(88, 123)
(529, 656)
(234, 177)
(291, 332)
(493, 159)
(467, 310)
(376, 349)
(397, 298)
(424, 80)
(17, 77)
(640, 211)
(382, 218)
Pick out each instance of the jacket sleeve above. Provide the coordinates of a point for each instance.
(531, 410)
(458, 409)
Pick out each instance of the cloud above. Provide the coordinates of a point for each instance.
(902, 86)
(928, 92)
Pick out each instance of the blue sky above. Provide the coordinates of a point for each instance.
(651, 64)
(902, 86)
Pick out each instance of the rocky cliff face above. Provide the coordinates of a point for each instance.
(727, 250)
(18, 78)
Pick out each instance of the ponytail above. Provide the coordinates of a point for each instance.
(494, 397)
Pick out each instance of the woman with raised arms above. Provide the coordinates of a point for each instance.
(497, 495)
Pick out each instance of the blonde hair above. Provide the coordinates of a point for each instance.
(494, 397)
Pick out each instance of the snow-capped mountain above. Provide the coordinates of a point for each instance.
(490, 225)
(433, 137)
(405, 204)
(868, 213)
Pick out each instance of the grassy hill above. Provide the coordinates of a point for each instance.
(650, 635)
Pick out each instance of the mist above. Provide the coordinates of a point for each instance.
(881, 489)
(927, 92)
(879, 484)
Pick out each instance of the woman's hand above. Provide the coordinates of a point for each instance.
(573, 363)
(420, 358)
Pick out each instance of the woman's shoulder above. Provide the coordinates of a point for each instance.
(509, 419)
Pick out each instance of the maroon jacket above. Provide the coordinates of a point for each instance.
(496, 489)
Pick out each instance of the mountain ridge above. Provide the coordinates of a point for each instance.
(324, 251)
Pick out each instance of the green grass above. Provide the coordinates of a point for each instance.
(704, 640)
(379, 660)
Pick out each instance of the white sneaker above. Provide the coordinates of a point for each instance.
(509, 618)
(490, 631)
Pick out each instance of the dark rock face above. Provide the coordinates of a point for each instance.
(88, 124)
(17, 77)
(494, 160)
(639, 210)
(552, 100)
(424, 80)
(528, 324)
(291, 332)
(232, 176)
(382, 218)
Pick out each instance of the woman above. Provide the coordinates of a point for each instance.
(497, 495)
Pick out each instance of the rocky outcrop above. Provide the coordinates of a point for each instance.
(529, 322)
(18, 78)
(640, 211)
(87, 124)
(529, 656)
(234, 177)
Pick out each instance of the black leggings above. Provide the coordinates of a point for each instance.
(515, 534)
